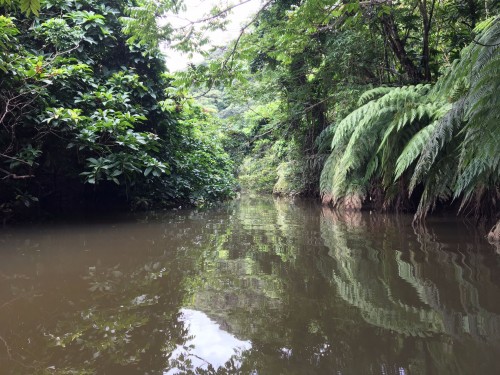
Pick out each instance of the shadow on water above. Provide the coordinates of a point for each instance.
(257, 286)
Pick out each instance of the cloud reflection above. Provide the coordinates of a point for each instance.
(207, 343)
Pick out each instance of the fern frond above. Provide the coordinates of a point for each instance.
(373, 94)
(326, 177)
(438, 186)
(442, 134)
(413, 149)
(371, 168)
(484, 25)
(324, 140)
(469, 177)
(356, 118)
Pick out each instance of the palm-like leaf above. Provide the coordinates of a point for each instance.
(444, 138)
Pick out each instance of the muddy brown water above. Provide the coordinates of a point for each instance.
(256, 286)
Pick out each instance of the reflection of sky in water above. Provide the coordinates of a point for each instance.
(211, 343)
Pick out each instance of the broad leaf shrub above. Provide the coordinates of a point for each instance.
(83, 119)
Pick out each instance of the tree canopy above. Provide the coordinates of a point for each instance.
(90, 115)
(380, 104)
(388, 105)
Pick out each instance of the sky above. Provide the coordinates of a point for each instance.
(199, 9)
(209, 343)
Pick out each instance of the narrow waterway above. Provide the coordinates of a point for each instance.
(256, 286)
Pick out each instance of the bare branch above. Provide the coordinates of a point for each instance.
(230, 57)
(14, 176)
(212, 17)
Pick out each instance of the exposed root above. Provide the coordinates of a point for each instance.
(352, 202)
(326, 199)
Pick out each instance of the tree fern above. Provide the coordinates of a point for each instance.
(461, 158)
(478, 167)
(363, 142)
(444, 138)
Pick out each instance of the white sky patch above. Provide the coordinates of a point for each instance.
(200, 9)
(210, 343)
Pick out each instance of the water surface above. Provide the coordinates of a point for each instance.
(257, 286)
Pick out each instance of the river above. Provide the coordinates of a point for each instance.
(254, 286)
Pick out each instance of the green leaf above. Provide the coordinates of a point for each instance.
(30, 6)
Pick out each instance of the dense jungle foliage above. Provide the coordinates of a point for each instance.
(379, 105)
(389, 105)
(90, 117)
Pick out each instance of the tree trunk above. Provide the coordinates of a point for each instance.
(427, 25)
(425, 61)
(391, 32)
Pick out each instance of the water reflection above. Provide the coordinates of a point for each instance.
(208, 346)
(293, 288)
(386, 279)
(420, 288)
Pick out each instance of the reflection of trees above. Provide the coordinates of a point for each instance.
(131, 322)
(262, 285)
(393, 289)
(237, 288)
(375, 299)
(107, 302)
(364, 278)
(413, 287)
